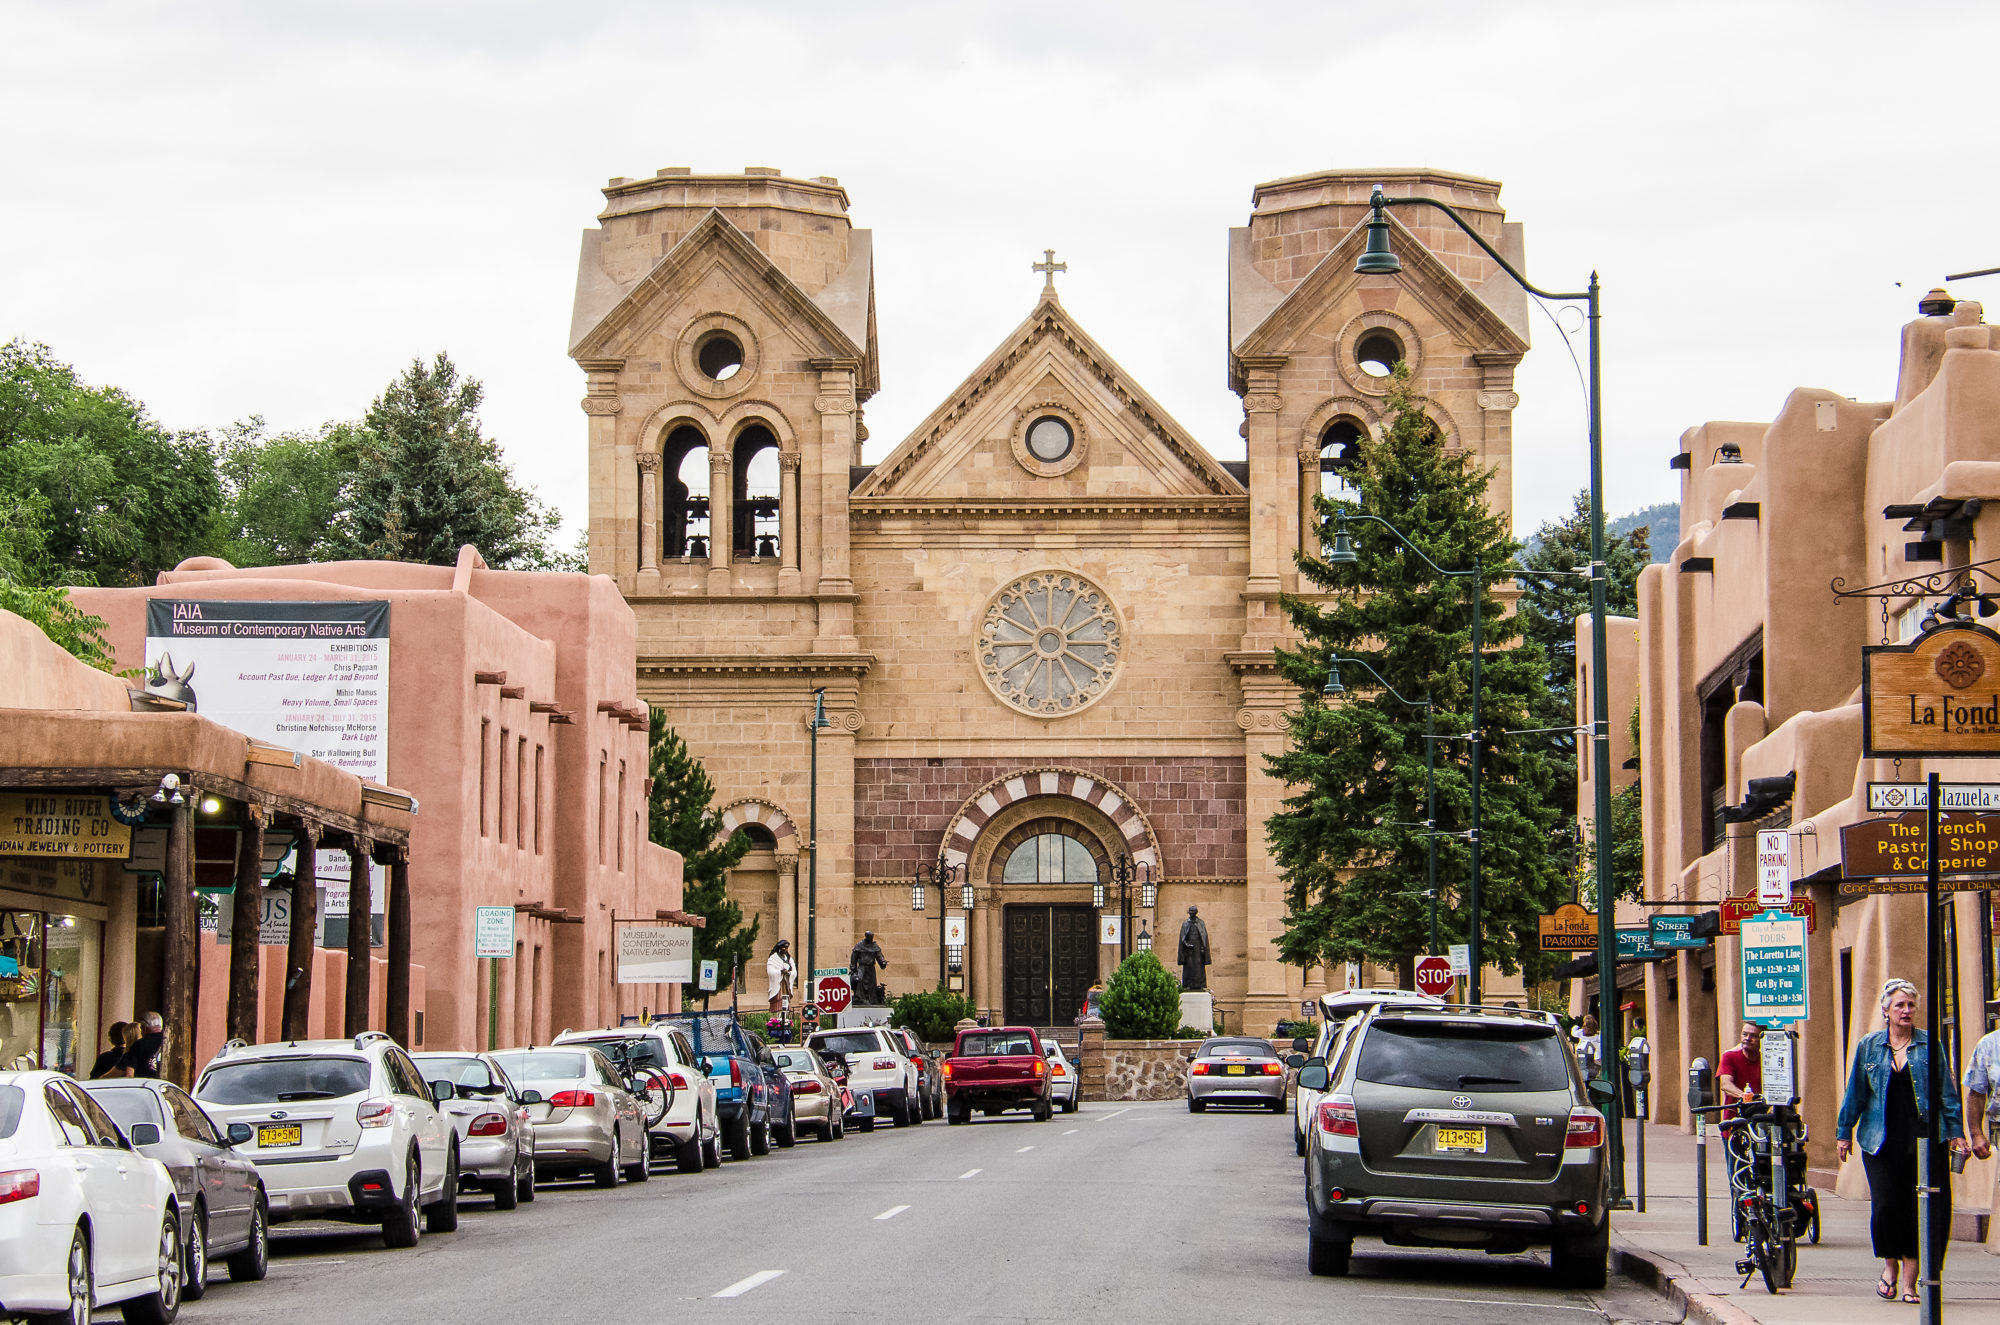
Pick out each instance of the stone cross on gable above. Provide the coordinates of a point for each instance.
(1048, 266)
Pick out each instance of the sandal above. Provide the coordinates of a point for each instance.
(1910, 1298)
(1885, 1289)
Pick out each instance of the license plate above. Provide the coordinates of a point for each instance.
(1235, 1070)
(287, 1134)
(1462, 1138)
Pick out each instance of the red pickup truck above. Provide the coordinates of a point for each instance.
(996, 1069)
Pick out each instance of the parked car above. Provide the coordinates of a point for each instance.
(84, 1220)
(223, 1210)
(857, 1107)
(1065, 1083)
(341, 1129)
(1235, 1070)
(930, 1072)
(689, 1130)
(587, 1121)
(496, 1141)
(1456, 1127)
(1338, 1011)
(752, 1096)
(995, 1070)
(878, 1064)
(816, 1094)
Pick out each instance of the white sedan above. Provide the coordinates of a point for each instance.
(1064, 1077)
(85, 1220)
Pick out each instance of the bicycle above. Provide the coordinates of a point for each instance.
(1769, 1198)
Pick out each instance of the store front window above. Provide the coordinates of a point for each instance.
(48, 988)
(21, 979)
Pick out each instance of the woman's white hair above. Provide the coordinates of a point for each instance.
(1893, 986)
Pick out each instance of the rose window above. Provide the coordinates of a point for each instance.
(1050, 643)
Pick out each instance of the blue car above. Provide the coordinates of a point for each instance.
(753, 1097)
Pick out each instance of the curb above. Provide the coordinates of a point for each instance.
(1706, 1308)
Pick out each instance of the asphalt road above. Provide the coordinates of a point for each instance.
(1117, 1212)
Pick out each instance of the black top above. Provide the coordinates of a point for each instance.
(107, 1062)
(147, 1055)
(1899, 1117)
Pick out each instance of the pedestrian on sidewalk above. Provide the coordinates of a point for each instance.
(1741, 1072)
(1982, 1083)
(1885, 1110)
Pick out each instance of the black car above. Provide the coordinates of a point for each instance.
(230, 1217)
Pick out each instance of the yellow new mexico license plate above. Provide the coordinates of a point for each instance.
(1462, 1138)
(1234, 1070)
(286, 1134)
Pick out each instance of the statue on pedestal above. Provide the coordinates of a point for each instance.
(1194, 951)
(861, 964)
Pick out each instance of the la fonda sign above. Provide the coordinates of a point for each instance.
(1937, 695)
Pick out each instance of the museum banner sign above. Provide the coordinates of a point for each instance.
(1937, 695)
(53, 823)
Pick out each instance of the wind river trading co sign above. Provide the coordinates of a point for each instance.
(1937, 695)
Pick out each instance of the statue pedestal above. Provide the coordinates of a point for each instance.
(1198, 1010)
(856, 1015)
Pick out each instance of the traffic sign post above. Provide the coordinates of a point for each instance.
(492, 939)
(1434, 976)
(1774, 869)
(1774, 969)
(833, 994)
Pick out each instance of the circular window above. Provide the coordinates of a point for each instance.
(1050, 439)
(1050, 643)
(1378, 352)
(720, 357)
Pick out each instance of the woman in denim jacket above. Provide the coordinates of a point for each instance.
(1887, 1102)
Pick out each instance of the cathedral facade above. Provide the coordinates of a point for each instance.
(1043, 623)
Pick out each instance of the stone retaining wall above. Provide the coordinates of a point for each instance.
(1137, 1069)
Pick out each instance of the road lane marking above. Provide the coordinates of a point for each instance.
(1482, 1302)
(1109, 1116)
(1024, 1150)
(1070, 1132)
(757, 1280)
(970, 1173)
(892, 1212)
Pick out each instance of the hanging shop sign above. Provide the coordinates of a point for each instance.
(1735, 910)
(53, 823)
(1569, 928)
(1636, 945)
(1891, 851)
(1672, 932)
(655, 954)
(1937, 695)
(1896, 797)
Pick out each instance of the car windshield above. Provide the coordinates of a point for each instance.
(128, 1105)
(279, 1080)
(853, 1042)
(995, 1043)
(542, 1065)
(1238, 1049)
(463, 1073)
(11, 1100)
(796, 1060)
(1458, 1056)
(639, 1052)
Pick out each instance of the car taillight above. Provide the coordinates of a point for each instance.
(573, 1099)
(677, 1081)
(374, 1113)
(807, 1087)
(947, 1071)
(1199, 1069)
(488, 1124)
(1586, 1130)
(735, 1072)
(1274, 1069)
(1337, 1118)
(1041, 1068)
(1058, 1069)
(20, 1185)
(885, 1065)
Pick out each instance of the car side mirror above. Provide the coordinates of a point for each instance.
(143, 1134)
(1300, 1044)
(531, 1097)
(442, 1091)
(1313, 1076)
(1602, 1092)
(1295, 1060)
(239, 1134)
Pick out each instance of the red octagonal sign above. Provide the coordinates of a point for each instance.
(1434, 975)
(835, 993)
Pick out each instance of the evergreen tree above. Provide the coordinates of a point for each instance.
(1347, 843)
(429, 479)
(285, 495)
(679, 816)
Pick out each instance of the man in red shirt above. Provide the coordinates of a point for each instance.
(1742, 1070)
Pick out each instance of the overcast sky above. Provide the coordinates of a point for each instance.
(236, 209)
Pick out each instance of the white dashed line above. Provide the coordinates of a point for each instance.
(970, 1173)
(757, 1280)
(1109, 1116)
(1070, 1132)
(892, 1212)
(1024, 1150)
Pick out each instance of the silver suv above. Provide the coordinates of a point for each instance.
(340, 1129)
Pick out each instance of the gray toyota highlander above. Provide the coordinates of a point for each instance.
(1456, 1127)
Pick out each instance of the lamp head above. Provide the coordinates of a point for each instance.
(1377, 259)
(1729, 453)
(1333, 685)
(1342, 553)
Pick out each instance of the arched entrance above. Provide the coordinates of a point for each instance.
(1044, 870)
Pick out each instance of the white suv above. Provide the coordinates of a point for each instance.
(690, 1130)
(1340, 1010)
(340, 1129)
(876, 1064)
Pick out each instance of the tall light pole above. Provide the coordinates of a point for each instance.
(1334, 687)
(1379, 260)
(812, 846)
(1343, 554)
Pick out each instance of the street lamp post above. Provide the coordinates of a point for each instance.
(1334, 687)
(812, 846)
(1343, 555)
(1125, 872)
(1378, 259)
(938, 873)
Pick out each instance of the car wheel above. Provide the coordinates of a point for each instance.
(711, 1152)
(1069, 1105)
(739, 1137)
(687, 1154)
(642, 1170)
(1582, 1262)
(899, 1109)
(1277, 1105)
(1197, 1106)
(81, 1289)
(606, 1174)
(957, 1113)
(507, 1192)
(250, 1265)
(865, 1124)
(1328, 1256)
(194, 1263)
(1043, 1111)
(1298, 1142)
(441, 1215)
(160, 1306)
(400, 1226)
(760, 1139)
(786, 1136)
(524, 1183)
(838, 1125)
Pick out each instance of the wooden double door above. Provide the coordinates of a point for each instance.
(1050, 962)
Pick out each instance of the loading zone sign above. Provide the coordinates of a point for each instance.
(1774, 969)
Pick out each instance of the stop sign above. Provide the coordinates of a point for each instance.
(834, 993)
(1434, 975)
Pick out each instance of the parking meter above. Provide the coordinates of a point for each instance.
(1701, 1094)
(1701, 1084)
(1638, 1064)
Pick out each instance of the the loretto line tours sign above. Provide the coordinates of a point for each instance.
(1937, 695)
(312, 677)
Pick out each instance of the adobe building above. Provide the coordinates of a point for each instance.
(512, 721)
(1044, 622)
(1838, 525)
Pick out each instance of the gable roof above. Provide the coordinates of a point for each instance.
(1049, 321)
(681, 267)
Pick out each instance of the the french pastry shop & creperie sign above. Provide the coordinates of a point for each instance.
(1937, 695)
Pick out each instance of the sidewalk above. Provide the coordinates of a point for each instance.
(1836, 1279)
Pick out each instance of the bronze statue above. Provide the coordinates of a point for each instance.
(1194, 951)
(861, 964)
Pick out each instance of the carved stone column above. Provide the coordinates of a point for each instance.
(614, 498)
(721, 518)
(837, 406)
(1497, 402)
(788, 900)
(1271, 505)
(649, 512)
(1271, 989)
(1308, 489)
(788, 521)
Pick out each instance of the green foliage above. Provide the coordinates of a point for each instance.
(1142, 1000)
(1348, 840)
(1628, 842)
(933, 1014)
(92, 491)
(1662, 521)
(286, 496)
(429, 480)
(679, 816)
(77, 631)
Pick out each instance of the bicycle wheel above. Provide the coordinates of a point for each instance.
(656, 1094)
(1764, 1250)
(1788, 1261)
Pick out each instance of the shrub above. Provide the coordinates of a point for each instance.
(933, 1014)
(1142, 1001)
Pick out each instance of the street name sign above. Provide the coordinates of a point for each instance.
(1636, 945)
(1939, 694)
(1895, 797)
(1774, 969)
(492, 931)
(1673, 932)
(1434, 976)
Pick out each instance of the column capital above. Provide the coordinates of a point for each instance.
(719, 462)
(1262, 402)
(788, 462)
(1309, 457)
(648, 461)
